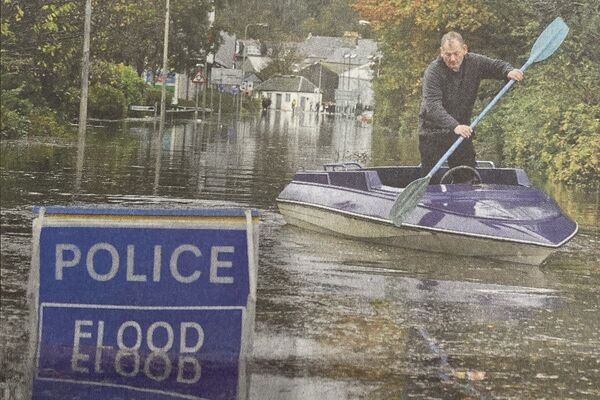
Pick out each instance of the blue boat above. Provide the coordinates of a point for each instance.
(500, 217)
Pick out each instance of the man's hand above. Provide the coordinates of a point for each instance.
(515, 75)
(464, 131)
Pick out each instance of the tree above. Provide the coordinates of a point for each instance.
(550, 121)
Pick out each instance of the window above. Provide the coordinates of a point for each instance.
(288, 97)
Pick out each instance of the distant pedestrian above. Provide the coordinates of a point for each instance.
(293, 105)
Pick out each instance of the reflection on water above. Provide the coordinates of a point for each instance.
(335, 319)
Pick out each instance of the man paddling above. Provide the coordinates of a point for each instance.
(450, 86)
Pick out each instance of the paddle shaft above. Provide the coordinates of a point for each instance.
(491, 104)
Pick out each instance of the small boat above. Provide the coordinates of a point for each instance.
(502, 217)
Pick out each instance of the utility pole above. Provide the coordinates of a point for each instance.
(85, 72)
(245, 53)
(211, 20)
(85, 68)
(163, 95)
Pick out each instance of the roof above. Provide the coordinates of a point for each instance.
(256, 64)
(332, 49)
(253, 47)
(252, 78)
(287, 83)
(226, 53)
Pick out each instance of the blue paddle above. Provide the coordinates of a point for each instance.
(545, 45)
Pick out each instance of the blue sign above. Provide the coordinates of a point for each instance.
(221, 88)
(147, 304)
(235, 90)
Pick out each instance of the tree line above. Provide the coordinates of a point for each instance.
(41, 49)
(549, 124)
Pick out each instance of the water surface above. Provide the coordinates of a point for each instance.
(336, 319)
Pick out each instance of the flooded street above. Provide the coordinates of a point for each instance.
(335, 319)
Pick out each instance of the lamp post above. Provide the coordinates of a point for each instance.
(163, 94)
(244, 53)
(349, 56)
(320, 72)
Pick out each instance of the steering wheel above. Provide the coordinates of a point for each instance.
(449, 175)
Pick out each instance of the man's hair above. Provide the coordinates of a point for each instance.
(452, 36)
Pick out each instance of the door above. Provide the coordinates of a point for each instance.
(278, 101)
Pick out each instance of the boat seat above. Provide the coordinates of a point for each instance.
(360, 180)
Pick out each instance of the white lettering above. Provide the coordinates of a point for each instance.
(215, 264)
(61, 263)
(90, 262)
(183, 347)
(151, 361)
(181, 369)
(121, 354)
(150, 338)
(131, 276)
(138, 337)
(100, 347)
(77, 356)
(175, 258)
(157, 263)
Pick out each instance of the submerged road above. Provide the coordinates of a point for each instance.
(335, 319)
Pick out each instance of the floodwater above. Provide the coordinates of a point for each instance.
(335, 319)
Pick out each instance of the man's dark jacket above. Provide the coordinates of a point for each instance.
(448, 96)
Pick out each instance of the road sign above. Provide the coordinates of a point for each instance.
(143, 303)
(226, 76)
(345, 95)
(235, 90)
(221, 88)
(199, 78)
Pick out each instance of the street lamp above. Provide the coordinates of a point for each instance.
(320, 62)
(244, 53)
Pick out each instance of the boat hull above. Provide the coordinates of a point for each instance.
(502, 218)
(355, 226)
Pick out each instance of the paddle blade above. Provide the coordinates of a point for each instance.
(408, 200)
(549, 40)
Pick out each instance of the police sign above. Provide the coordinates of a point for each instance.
(143, 304)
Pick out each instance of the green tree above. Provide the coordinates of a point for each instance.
(547, 124)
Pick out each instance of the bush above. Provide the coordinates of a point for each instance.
(152, 95)
(106, 102)
(121, 77)
(44, 121)
(13, 124)
(13, 118)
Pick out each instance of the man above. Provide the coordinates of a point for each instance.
(450, 86)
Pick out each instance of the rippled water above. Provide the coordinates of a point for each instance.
(336, 319)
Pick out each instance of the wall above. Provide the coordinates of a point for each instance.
(286, 104)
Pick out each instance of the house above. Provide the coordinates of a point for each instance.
(225, 56)
(250, 82)
(350, 58)
(357, 82)
(326, 76)
(255, 64)
(287, 91)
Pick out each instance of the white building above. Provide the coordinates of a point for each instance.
(290, 92)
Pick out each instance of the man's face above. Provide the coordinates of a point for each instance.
(453, 54)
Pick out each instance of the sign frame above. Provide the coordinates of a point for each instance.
(150, 219)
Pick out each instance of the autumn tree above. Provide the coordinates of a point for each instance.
(550, 126)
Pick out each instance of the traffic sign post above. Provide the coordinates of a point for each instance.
(142, 304)
(199, 77)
